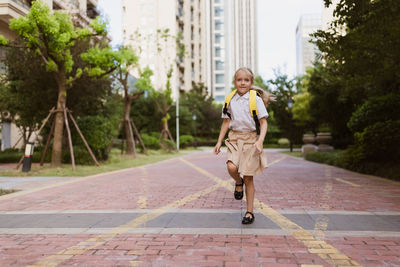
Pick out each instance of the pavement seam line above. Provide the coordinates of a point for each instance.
(98, 240)
(321, 248)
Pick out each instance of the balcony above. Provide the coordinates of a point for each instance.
(12, 9)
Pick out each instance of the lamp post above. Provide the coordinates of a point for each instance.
(194, 117)
(290, 106)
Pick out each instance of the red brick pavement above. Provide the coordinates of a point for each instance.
(288, 184)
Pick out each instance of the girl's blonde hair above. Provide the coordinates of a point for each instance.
(267, 97)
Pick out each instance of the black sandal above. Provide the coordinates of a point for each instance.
(248, 220)
(239, 194)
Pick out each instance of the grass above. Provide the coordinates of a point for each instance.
(6, 191)
(293, 153)
(116, 161)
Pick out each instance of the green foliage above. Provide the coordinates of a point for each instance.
(186, 140)
(284, 89)
(150, 142)
(283, 141)
(167, 145)
(98, 131)
(334, 158)
(208, 114)
(10, 156)
(376, 109)
(3, 40)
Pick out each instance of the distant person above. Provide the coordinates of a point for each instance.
(246, 116)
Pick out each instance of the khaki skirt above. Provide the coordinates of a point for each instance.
(243, 153)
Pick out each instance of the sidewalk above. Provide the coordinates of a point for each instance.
(181, 212)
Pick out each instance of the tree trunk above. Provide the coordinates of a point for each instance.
(130, 142)
(59, 120)
(165, 128)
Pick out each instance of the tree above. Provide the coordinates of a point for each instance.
(284, 89)
(30, 94)
(126, 60)
(51, 36)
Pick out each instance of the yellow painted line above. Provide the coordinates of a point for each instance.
(319, 247)
(135, 263)
(276, 161)
(347, 182)
(96, 241)
(143, 197)
(322, 221)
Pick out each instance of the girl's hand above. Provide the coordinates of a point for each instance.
(259, 146)
(217, 148)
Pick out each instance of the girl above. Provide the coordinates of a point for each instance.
(245, 156)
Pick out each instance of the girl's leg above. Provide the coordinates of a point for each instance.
(233, 172)
(250, 190)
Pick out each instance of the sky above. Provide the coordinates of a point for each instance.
(276, 20)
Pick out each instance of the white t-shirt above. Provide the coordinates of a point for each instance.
(241, 119)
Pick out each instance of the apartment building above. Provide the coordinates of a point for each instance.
(306, 52)
(219, 36)
(231, 42)
(81, 11)
(183, 50)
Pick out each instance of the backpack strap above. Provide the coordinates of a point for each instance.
(227, 101)
(253, 109)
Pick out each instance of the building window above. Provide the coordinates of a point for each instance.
(218, 52)
(219, 89)
(218, 38)
(219, 78)
(219, 65)
(219, 25)
(218, 11)
(219, 98)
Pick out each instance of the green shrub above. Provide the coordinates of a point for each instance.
(377, 109)
(10, 156)
(81, 156)
(283, 141)
(331, 158)
(150, 142)
(98, 132)
(167, 145)
(186, 140)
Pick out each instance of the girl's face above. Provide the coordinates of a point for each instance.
(243, 82)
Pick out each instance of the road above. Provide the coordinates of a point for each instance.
(181, 212)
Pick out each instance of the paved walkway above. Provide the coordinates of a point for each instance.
(181, 212)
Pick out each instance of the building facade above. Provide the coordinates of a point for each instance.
(306, 52)
(81, 11)
(183, 50)
(231, 42)
(218, 37)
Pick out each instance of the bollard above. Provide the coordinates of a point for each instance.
(26, 164)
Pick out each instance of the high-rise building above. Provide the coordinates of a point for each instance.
(231, 42)
(305, 50)
(218, 37)
(182, 51)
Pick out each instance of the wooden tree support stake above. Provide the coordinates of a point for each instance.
(71, 148)
(138, 136)
(47, 143)
(83, 138)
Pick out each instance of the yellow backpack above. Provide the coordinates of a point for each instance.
(252, 105)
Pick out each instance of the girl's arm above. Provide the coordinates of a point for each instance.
(222, 133)
(263, 131)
